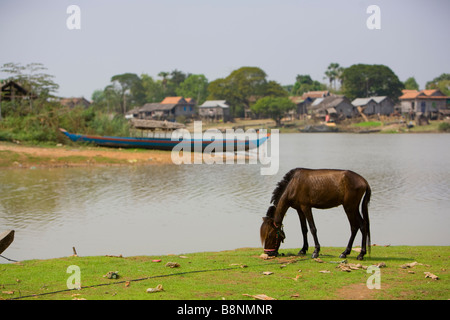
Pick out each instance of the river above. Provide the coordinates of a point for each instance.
(163, 209)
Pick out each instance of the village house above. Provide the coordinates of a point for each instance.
(375, 105)
(11, 90)
(306, 99)
(429, 102)
(168, 109)
(301, 104)
(73, 102)
(316, 94)
(332, 108)
(214, 110)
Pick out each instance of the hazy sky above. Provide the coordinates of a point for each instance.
(215, 37)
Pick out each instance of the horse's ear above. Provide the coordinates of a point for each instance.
(271, 212)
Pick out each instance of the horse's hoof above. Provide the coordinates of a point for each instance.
(343, 256)
(315, 255)
(301, 253)
(360, 257)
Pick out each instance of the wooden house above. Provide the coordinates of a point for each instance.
(11, 90)
(375, 105)
(169, 109)
(428, 102)
(73, 102)
(332, 107)
(214, 110)
(301, 104)
(316, 94)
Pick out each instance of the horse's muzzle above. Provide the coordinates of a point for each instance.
(271, 252)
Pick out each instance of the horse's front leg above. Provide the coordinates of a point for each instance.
(309, 217)
(304, 227)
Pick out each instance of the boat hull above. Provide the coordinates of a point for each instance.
(167, 143)
(6, 238)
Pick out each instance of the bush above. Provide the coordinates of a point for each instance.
(43, 124)
(444, 126)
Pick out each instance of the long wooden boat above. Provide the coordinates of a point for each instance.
(162, 143)
(6, 238)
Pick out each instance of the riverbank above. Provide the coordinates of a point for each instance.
(26, 155)
(14, 155)
(404, 273)
(374, 125)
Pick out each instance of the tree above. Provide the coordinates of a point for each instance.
(195, 86)
(333, 73)
(273, 107)
(442, 83)
(32, 78)
(176, 79)
(130, 88)
(363, 80)
(240, 88)
(39, 85)
(411, 84)
(274, 89)
(153, 90)
(163, 75)
(304, 83)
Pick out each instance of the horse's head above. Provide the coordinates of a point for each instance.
(271, 234)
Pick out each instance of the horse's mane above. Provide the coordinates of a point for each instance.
(281, 186)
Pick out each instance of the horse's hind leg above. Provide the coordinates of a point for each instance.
(352, 215)
(304, 227)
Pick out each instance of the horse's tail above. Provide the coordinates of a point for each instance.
(281, 186)
(365, 213)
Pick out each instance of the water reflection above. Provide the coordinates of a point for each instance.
(175, 209)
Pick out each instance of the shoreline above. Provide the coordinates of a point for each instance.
(16, 155)
(64, 156)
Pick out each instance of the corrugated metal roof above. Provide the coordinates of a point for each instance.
(214, 103)
(365, 101)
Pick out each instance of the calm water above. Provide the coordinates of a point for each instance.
(190, 208)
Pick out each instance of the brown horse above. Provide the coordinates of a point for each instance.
(303, 189)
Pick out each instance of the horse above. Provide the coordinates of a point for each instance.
(303, 189)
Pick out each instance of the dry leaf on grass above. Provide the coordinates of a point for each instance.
(112, 275)
(297, 277)
(158, 288)
(430, 275)
(412, 264)
(267, 273)
(259, 296)
(172, 264)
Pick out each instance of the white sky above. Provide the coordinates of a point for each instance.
(215, 37)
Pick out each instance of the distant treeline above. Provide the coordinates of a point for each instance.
(39, 115)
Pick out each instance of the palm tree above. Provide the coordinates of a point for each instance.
(333, 72)
(164, 75)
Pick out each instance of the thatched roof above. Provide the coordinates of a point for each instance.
(155, 124)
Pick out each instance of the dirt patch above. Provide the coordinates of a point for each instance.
(356, 291)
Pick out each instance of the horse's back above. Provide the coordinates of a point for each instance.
(326, 188)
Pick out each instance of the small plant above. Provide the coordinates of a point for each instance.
(444, 126)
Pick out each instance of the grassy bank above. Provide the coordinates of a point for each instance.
(232, 275)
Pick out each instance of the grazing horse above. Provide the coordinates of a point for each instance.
(303, 189)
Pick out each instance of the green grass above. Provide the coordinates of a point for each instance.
(230, 274)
